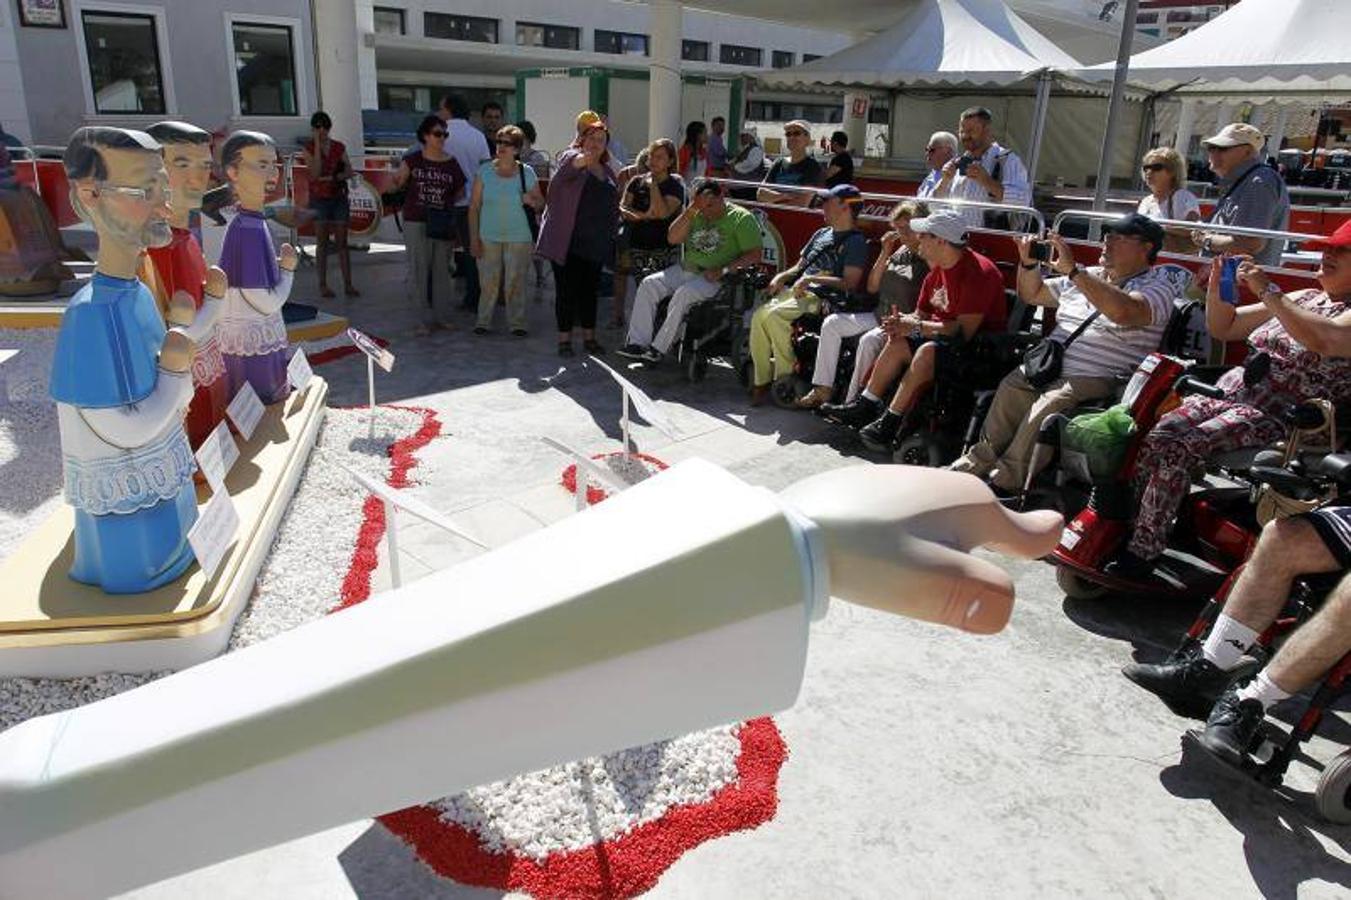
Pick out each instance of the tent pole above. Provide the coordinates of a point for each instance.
(1039, 110)
(1123, 66)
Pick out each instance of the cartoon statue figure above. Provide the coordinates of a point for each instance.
(121, 383)
(251, 332)
(177, 274)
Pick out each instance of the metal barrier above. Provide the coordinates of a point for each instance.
(1098, 217)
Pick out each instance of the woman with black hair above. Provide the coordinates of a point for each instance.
(329, 169)
(694, 152)
(434, 180)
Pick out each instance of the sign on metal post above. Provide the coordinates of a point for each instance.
(375, 356)
(644, 405)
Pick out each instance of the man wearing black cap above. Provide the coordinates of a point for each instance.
(1125, 300)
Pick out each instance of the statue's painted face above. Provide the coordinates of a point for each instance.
(189, 168)
(253, 174)
(131, 206)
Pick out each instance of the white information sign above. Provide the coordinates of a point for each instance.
(246, 411)
(7, 355)
(645, 406)
(217, 456)
(298, 371)
(214, 532)
(367, 345)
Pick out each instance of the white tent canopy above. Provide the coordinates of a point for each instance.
(1258, 50)
(937, 42)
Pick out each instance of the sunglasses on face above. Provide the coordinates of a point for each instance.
(439, 134)
(1153, 167)
(795, 134)
(507, 144)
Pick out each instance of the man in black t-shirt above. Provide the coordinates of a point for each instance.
(797, 169)
(841, 167)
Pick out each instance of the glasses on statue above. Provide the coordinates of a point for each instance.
(157, 194)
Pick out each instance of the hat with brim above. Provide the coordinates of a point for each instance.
(1339, 238)
(1137, 225)
(1236, 134)
(944, 224)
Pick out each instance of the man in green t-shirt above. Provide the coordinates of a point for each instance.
(717, 237)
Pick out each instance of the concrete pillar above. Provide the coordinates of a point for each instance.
(336, 41)
(1277, 133)
(1186, 124)
(856, 106)
(366, 66)
(663, 86)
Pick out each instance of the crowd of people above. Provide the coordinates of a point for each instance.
(669, 222)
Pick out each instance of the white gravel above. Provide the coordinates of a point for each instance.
(573, 806)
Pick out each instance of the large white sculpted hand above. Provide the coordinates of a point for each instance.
(899, 540)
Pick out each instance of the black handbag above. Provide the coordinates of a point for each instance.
(531, 217)
(1043, 360)
(440, 224)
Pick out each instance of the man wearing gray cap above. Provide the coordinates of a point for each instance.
(1254, 195)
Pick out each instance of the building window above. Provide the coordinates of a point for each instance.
(694, 51)
(460, 28)
(124, 62)
(558, 37)
(389, 21)
(621, 42)
(739, 56)
(264, 69)
(782, 59)
(808, 57)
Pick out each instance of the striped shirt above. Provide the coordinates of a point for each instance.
(1106, 348)
(1012, 175)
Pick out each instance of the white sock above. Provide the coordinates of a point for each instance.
(869, 395)
(1228, 640)
(1263, 690)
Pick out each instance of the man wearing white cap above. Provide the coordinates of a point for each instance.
(1254, 195)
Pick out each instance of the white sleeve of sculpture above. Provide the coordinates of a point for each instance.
(130, 426)
(205, 321)
(269, 301)
(680, 604)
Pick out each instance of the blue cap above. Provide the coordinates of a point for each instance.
(846, 192)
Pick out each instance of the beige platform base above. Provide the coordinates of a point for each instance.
(51, 626)
(47, 314)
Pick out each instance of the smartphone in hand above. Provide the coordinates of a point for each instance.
(1229, 280)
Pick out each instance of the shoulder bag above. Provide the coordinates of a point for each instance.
(531, 217)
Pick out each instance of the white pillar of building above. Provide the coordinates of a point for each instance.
(856, 106)
(1186, 125)
(336, 44)
(366, 67)
(663, 86)
(1278, 129)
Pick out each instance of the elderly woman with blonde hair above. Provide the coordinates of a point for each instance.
(1165, 174)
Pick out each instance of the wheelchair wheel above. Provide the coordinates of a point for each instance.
(1332, 798)
(696, 366)
(1077, 587)
(919, 449)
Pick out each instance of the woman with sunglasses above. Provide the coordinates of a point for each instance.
(329, 170)
(500, 229)
(1165, 174)
(433, 180)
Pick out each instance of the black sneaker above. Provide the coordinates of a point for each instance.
(1189, 686)
(1232, 728)
(632, 351)
(881, 433)
(1130, 567)
(854, 414)
(652, 356)
(519, 332)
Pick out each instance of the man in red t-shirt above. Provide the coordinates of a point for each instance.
(962, 294)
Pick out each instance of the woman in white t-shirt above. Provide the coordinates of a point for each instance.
(1165, 173)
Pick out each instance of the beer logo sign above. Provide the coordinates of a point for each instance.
(364, 203)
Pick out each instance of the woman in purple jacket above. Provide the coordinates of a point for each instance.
(578, 230)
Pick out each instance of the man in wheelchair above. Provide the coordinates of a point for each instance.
(963, 294)
(1108, 318)
(1204, 684)
(717, 237)
(829, 269)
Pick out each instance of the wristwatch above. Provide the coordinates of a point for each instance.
(1272, 288)
(917, 332)
(1031, 265)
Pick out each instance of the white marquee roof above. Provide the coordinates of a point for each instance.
(1257, 50)
(937, 42)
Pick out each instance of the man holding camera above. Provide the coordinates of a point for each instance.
(1108, 318)
(985, 171)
